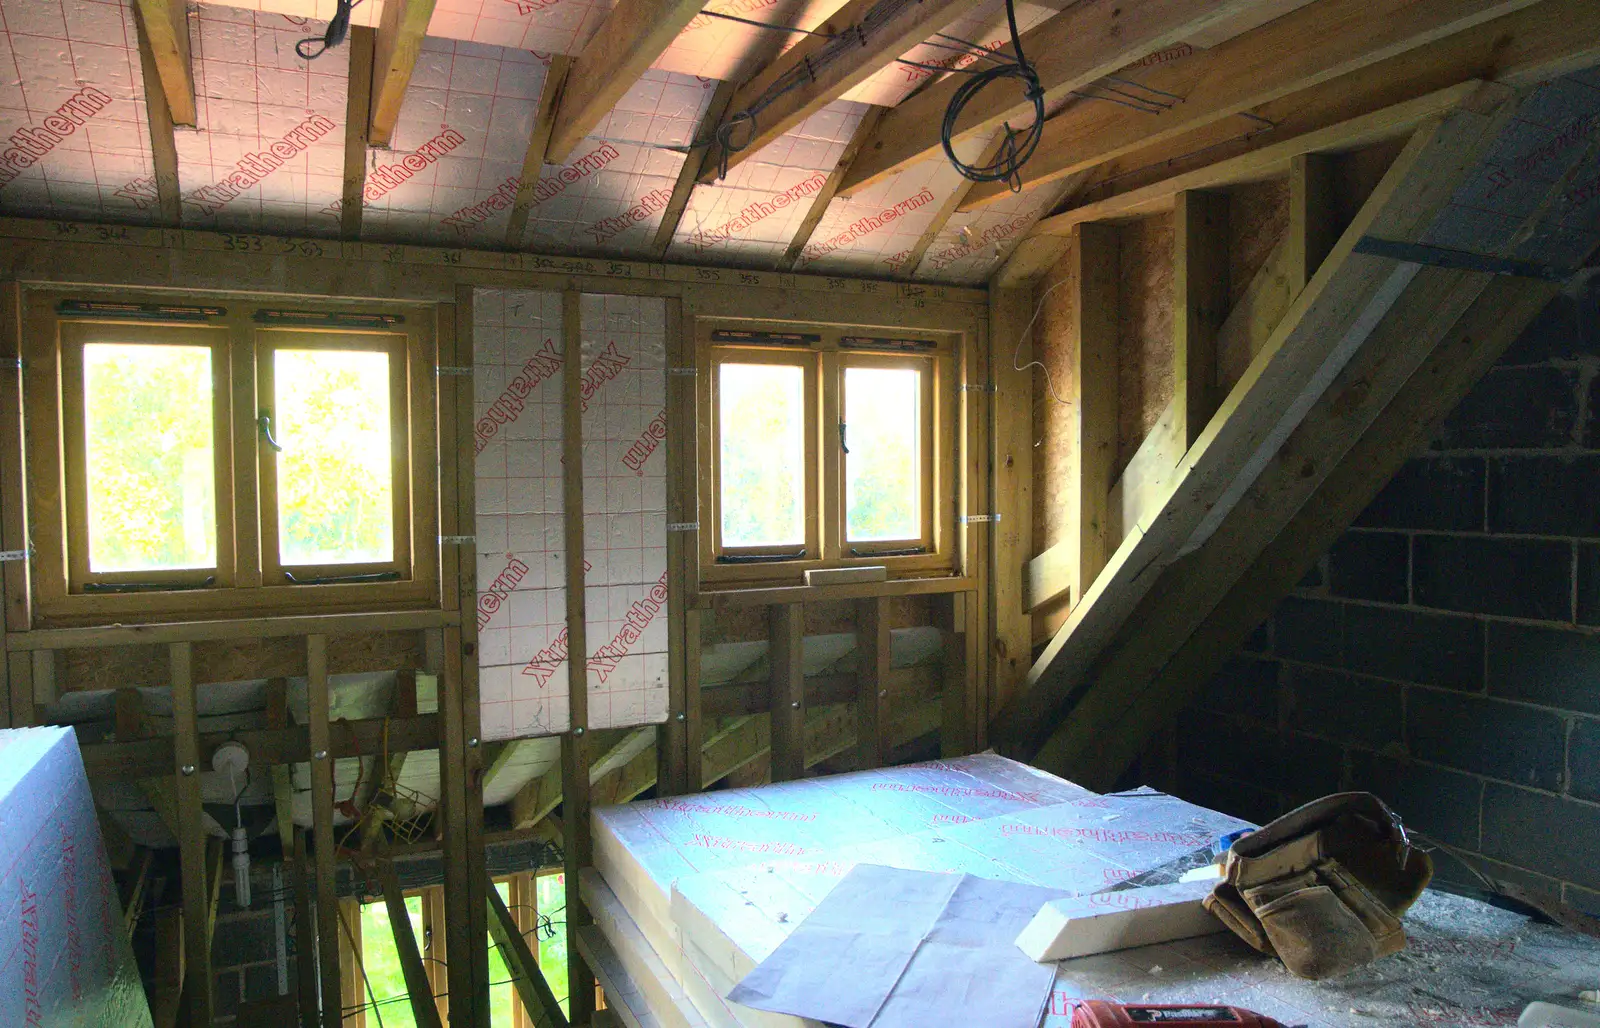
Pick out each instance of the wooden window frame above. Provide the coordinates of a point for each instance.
(826, 355)
(75, 336)
(927, 368)
(269, 341)
(241, 588)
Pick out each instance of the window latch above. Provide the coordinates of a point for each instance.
(264, 422)
(842, 445)
(376, 576)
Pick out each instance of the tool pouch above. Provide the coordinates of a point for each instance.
(1323, 887)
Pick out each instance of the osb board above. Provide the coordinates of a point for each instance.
(1144, 332)
(114, 667)
(1258, 215)
(1055, 350)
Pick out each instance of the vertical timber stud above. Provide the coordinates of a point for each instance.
(322, 829)
(785, 639)
(461, 755)
(1313, 217)
(191, 834)
(1012, 536)
(16, 616)
(1096, 259)
(672, 770)
(1200, 281)
(978, 485)
(872, 673)
(305, 954)
(575, 744)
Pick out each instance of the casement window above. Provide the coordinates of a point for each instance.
(228, 458)
(825, 449)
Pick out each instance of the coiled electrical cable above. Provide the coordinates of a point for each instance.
(338, 28)
(1017, 147)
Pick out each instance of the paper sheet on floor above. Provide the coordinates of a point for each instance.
(890, 948)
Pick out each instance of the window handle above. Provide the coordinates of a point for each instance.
(376, 576)
(842, 445)
(264, 422)
(147, 587)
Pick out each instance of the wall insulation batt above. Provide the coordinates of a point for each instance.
(522, 641)
(65, 959)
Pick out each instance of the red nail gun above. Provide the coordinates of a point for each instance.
(1099, 1013)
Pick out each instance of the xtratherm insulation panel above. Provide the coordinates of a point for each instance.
(65, 960)
(610, 196)
(72, 115)
(519, 353)
(643, 848)
(268, 154)
(451, 177)
(749, 218)
(973, 244)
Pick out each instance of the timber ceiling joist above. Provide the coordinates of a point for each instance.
(166, 26)
(630, 40)
(1296, 52)
(1324, 328)
(399, 42)
(1077, 47)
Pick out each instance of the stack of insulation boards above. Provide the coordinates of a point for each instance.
(689, 893)
(692, 892)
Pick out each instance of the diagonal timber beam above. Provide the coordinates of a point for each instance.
(399, 41)
(363, 44)
(1296, 52)
(844, 69)
(540, 1005)
(629, 41)
(544, 121)
(825, 195)
(1084, 43)
(1325, 325)
(689, 174)
(424, 1011)
(166, 24)
(1156, 674)
(163, 144)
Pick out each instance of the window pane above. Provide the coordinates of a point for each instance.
(380, 961)
(883, 470)
(335, 494)
(148, 457)
(763, 459)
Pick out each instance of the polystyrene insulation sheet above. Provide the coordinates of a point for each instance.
(750, 217)
(518, 350)
(66, 959)
(451, 176)
(625, 508)
(72, 115)
(519, 353)
(268, 154)
(642, 848)
(973, 244)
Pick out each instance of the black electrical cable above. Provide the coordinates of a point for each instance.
(338, 28)
(1014, 151)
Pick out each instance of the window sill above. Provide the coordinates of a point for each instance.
(709, 599)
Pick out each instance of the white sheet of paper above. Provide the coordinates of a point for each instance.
(890, 948)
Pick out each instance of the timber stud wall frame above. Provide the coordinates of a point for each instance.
(436, 633)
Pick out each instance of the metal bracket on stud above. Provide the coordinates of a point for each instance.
(978, 519)
(978, 387)
(444, 369)
(6, 555)
(682, 372)
(12, 363)
(683, 526)
(457, 540)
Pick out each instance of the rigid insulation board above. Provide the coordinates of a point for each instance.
(72, 114)
(66, 959)
(643, 848)
(519, 352)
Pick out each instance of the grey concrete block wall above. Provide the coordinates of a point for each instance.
(1445, 653)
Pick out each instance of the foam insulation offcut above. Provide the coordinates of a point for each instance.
(66, 955)
(74, 141)
(519, 354)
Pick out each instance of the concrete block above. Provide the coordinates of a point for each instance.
(1435, 649)
(1488, 737)
(1438, 493)
(1515, 408)
(1545, 494)
(1555, 667)
(1444, 804)
(1345, 708)
(1583, 759)
(1245, 687)
(1525, 578)
(1309, 630)
(1589, 584)
(1370, 566)
(1562, 834)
